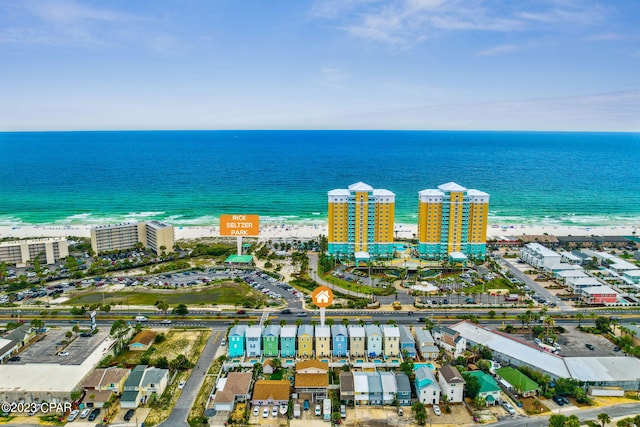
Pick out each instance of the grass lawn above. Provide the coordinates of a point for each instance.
(220, 293)
(188, 342)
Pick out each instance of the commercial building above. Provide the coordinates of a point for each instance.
(615, 371)
(21, 252)
(155, 235)
(539, 256)
(452, 219)
(361, 222)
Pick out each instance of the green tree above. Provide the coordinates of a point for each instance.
(407, 366)
(472, 386)
(180, 363)
(119, 331)
(604, 418)
(557, 420)
(572, 421)
(37, 323)
(420, 413)
(181, 310)
(492, 314)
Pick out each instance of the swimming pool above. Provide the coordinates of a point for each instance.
(428, 365)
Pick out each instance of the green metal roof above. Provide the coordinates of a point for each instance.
(517, 379)
(239, 259)
(487, 383)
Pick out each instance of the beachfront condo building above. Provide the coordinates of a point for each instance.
(361, 221)
(452, 222)
(22, 252)
(155, 235)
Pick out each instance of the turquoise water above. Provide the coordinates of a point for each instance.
(420, 365)
(191, 177)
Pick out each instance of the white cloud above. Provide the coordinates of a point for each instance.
(334, 75)
(498, 50)
(605, 37)
(404, 22)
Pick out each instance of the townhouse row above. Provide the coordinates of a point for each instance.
(308, 341)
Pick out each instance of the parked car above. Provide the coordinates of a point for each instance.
(590, 346)
(318, 410)
(274, 411)
(306, 405)
(63, 354)
(256, 411)
(129, 414)
(509, 408)
(94, 414)
(436, 410)
(85, 413)
(73, 415)
(181, 384)
(265, 412)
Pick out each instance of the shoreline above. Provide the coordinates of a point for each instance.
(297, 231)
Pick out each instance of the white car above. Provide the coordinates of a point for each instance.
(73, 415)
(436, 410)
(318, 410)
(181, 385)
(256, 411)
(507, 406)
(63, 354)
(265, 412)
(274, 411)
(85, 413)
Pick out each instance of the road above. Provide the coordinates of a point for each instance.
(190, 390)
(624, 410)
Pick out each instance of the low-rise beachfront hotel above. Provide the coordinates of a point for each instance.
(20, 252)
(154, 235)
(452, 220)
(361, 221)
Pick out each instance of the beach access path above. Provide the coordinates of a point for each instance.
(313, 273)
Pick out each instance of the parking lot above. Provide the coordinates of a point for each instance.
(574, 343)
(46, 349)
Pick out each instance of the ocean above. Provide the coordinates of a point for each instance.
(191, 177)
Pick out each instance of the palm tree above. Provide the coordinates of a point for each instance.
(579, 316)
(298, 322)
(604, 418)
(330, 321)
(283, 323)
(345, 321)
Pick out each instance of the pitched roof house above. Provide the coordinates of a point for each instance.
(111, 379)
(450, 340)
(270, 392)
(426, 345)
(426, 386)
(142, 341)
(236, 388)
(451, 383)
(312, 379)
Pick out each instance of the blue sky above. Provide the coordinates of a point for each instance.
(320, 64)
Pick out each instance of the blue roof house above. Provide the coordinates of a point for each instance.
(407, 342)
(404, 389)
(252, 340)
(288, 336)
(340, 338)
(426, 386)
(375, 388)
(374, 340)
(236, 341)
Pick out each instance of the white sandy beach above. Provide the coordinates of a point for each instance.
(295, 231)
